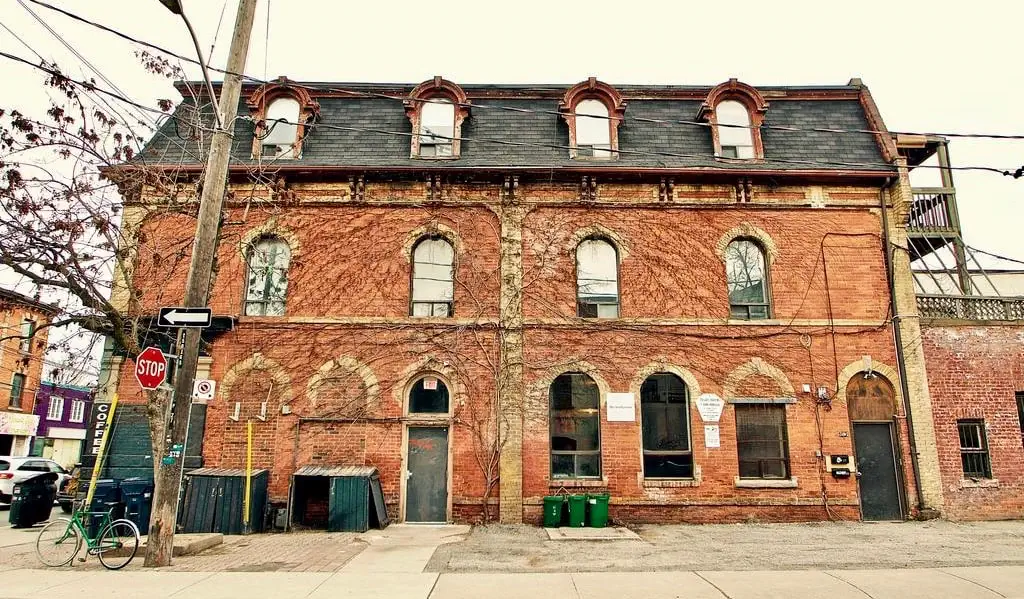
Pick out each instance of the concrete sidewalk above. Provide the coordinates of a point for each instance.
(981, 582)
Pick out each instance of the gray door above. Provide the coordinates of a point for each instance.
(426, 486)
(876, 463)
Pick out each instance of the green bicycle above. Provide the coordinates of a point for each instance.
(59, 541)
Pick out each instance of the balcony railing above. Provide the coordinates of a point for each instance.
(933, 210)
(967, 307)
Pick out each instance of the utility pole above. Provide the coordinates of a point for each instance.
(197, 291)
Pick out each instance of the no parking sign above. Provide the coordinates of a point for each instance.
(203, 389)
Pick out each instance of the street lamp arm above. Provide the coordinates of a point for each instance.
(202, 63)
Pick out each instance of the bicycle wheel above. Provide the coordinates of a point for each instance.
(58, 543)
(117, 544)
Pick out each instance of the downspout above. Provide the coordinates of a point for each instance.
(900, 365)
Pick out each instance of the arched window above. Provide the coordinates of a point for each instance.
(282, 128)
(433, 284)
(736, 140)
(665, 417)
(747, 280)
(597, 279)
(437, 128)
(267, 281)
(575, 404)
(593, 130)
(429, 395)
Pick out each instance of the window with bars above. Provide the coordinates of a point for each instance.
(974, 449)
(433, 278)
(575, 404)
(56, 408)
(17, 389)
(761, 441)
(267, 281)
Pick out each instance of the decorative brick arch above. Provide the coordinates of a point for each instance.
(750, 368)
(433, 229)
(597, 231)
(854, 368)
(663, 365)
(257, 362)
(749, 231)
(270, 228)
(343, 364)
(537, 395)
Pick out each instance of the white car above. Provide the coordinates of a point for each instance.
(14, 470)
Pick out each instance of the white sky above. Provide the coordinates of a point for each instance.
(930, 66)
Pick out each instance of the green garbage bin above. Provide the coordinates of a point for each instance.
(553, 506)
(577, 510)
(598, 510)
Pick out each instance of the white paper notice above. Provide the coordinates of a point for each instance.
(711, 437)
(621, 407)
(710, 407)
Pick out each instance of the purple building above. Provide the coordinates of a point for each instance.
(63, 412)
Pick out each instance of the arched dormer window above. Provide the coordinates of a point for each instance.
(266, 283)
(433, 277)
(436, 110)
(735, 111)
(283, 113)
(746, 274)
(593, 110)
(597, 279)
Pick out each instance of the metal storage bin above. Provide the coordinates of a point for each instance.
(214, 501)
(354, 502)
(32, 500)
(137, 496)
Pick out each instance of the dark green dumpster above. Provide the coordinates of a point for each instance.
(338, 498)
(598, 510)
(553, 506)
(577, 510)
(106, 497)
(32, 499)
(214, 501)
(137, 496)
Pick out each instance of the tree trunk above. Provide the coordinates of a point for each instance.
(159, 545)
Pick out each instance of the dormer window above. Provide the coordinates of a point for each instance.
(436, 110)
(593, 110)
(281, 129)
(735, 112)
(283, 113)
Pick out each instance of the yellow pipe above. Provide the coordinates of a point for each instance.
(100, 454)
(248, 472)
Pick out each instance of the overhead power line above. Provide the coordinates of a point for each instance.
(515, 109)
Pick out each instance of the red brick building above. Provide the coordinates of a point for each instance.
(677, 295)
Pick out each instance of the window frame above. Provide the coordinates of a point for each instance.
(618, 278)
(77, 411)
(432, 90)
(412, 279)
(751, 99)
(51, 408)
(594, 413)
(416, 380)
(767, 283)
(264, 96)
(749, 127)
(15, 401)
(592, 89)
(1019, 396)
(644, 452)
(783, 440)
(985, 458)
(268, 127)
(265, 301)
(25, 344)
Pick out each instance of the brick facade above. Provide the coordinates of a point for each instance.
(20, 358)
(974, 372)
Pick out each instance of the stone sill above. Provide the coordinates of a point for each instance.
(668, 483)
(981, 483)
(570, 483)
(766, 483)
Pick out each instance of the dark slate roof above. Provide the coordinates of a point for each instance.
(381, 135)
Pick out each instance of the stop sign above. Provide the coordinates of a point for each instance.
(151, 368)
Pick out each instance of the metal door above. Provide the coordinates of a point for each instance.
(876, 467)
(426, 486)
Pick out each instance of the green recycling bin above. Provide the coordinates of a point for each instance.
(598, 510)
(553, 505)
(577, 510)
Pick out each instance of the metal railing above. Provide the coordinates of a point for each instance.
(967, 307)
(933, 210)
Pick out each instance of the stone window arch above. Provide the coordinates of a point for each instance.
(342, 387)
(436, 109)
(735, 112)
(593, 111)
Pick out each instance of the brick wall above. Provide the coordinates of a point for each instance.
(973, 373)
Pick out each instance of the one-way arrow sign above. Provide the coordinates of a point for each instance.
(175, 317)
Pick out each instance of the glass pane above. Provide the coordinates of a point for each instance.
(437, 124)
(421, 309)
(665, 414)
(745, 273)
(668, 466)
(761, 440)
(282, 127)
(607, 310)
(575, 433)
(432, 400)
(593, 127)
(563, 466)
(734, 113)
(574, 390)
(588, 465)
(597, 272)
(432, 271)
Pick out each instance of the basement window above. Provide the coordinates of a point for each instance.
(974, 449)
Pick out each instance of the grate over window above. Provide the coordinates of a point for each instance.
(974, 449)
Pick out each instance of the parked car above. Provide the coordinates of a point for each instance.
(14, 470)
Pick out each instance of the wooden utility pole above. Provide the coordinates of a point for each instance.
(197, 293)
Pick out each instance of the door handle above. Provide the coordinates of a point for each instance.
(408, 474)
(857, 474)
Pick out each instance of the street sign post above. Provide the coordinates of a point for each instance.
(178, 317)
(151, 368)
